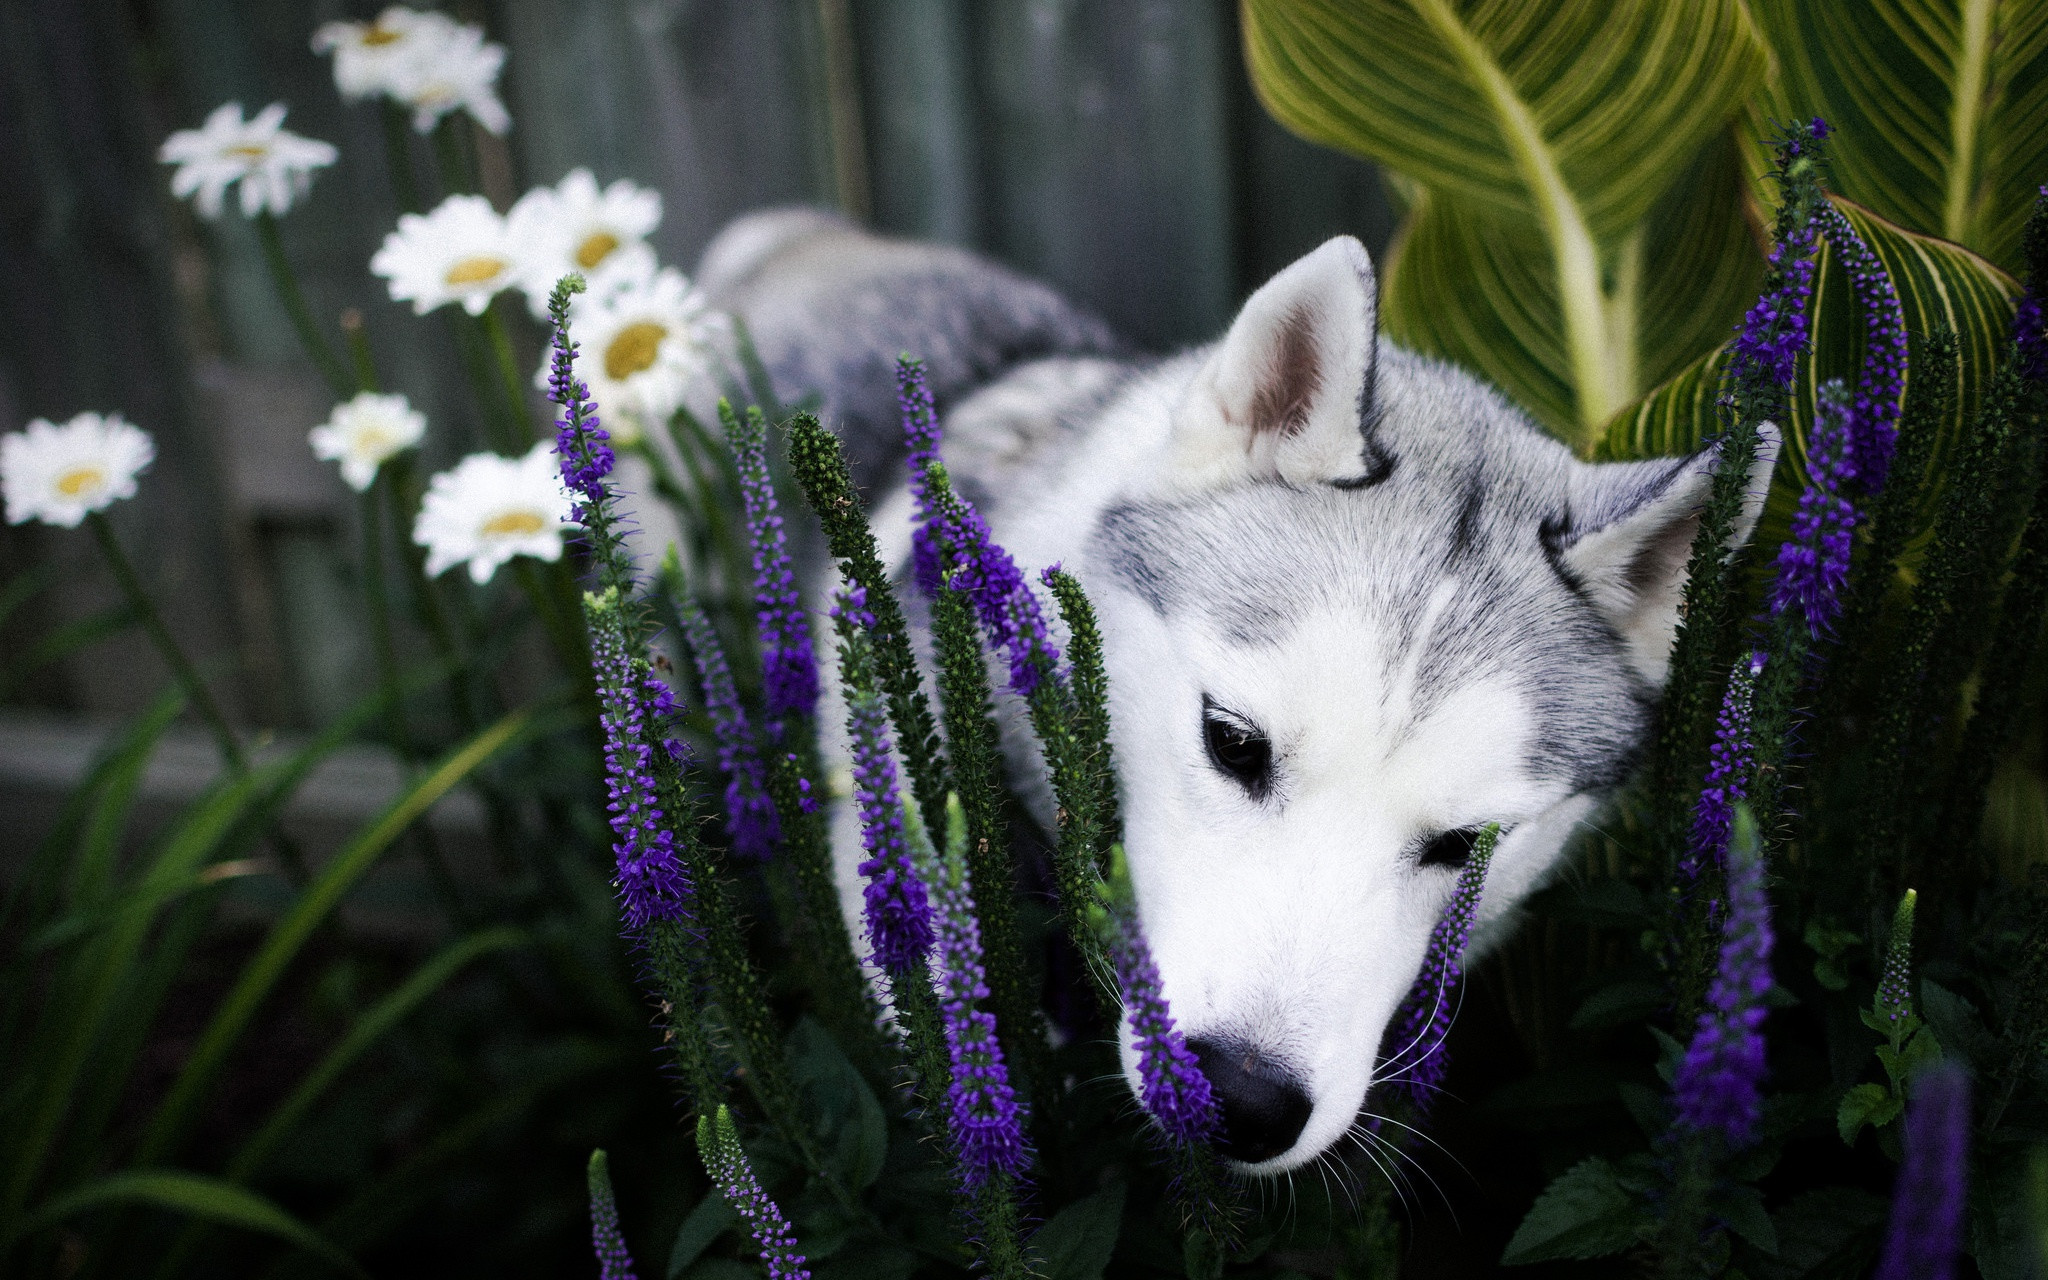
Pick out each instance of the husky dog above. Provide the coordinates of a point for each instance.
(1354, 606)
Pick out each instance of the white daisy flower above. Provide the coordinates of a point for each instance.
(59, 475)
(460, 73)
(372, 58)
(273, 166)
(461, 252)
(363, 433)
(573, 226)
(487, 509)
(644, 341)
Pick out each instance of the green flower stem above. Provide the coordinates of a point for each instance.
(398, 157)
(452, 158)
(499, 340)
(380, 617)
(294, 300)
(358, 341)
(542, 590)
(160, 635)
(501, 430)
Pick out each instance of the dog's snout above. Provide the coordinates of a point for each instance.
(1264, 1106)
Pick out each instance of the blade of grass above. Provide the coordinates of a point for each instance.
(65, 641)
(267, 966)
(199, 1196)
(92, 873)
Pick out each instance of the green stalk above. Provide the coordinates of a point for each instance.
(288, 293)
(457, 174)
(358, 341)
(398, 157)
(499, 339)
(153, 623)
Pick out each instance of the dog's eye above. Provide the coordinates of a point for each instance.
(1448, 849)
(1238, 749)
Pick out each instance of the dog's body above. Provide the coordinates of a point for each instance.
(1354, 606)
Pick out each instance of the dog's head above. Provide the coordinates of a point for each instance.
(1363, 608)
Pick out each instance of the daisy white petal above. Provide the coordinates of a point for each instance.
(273, 166)
(59, 475)
(645, 340)
(460, 252)
(487, 509)
(372, 58)
(460, 73)
(362, 433)
(574, 226)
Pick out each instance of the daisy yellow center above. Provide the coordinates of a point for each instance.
(373, 441)
(513, 524)
(249, 151)
(595, 249)
(82, 482)
(378, 35)
(478, 270)
(633, 350)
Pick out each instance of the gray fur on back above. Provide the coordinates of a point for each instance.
(830, 306)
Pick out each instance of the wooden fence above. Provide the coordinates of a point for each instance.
(1112, 147)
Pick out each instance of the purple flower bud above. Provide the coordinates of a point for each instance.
(789, 665)
(1927, 1201)
(653, 883)
(1873, 418)
(2029, 326)
(1172, 1087)
(1730, 760)
(1813, 564)
(583, 446)
(898, 906)
(981, 1107)
(1895, 987)
(1425, 1021)
(726, 1161)
(614, 1262)
(1717, 1087)
(750, 818)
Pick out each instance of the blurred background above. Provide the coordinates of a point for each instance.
(1114, 149)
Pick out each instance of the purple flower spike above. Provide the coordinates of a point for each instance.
(1174, 1090)
(613, 1260)
(981, 1108)
(1813, 564)
(952, 544)
(1716, 1089)
(1874, 416)
(1729, 763)
(898, 907)
(718, 1141)
(1895, 987)
(1426, 1020)
(789, 665)
(653, 884)
(749, 813)
(583, 446)
(1927, 1202)
(2029, 325)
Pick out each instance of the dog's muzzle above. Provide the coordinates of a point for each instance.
(1264, 1106)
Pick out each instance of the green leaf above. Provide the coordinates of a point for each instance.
(700, 1230)
(847, 1119)
(1959, 1028)
(1741, 1210)
(1939, 285)
(1524, 116)
(1585, 1214)
(1622, 1002)
(374, 1024)
(202, 1197)
(1940, 107)
(1830, 1233)
(267, 966)
(1076, 1244)
(1866, 1104)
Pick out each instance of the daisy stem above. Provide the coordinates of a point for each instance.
(294, 301)
(458, 176)
(152, 622)
(380, 616)
(500, 340)
(358, 340)
(398, 158)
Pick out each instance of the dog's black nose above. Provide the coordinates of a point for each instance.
(1264, 1106)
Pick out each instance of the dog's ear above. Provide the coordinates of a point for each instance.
(1628, 534)
(1288, 392)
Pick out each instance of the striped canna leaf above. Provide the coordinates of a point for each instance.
(1940, 107)
(1940, 285)
(1564, 121)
